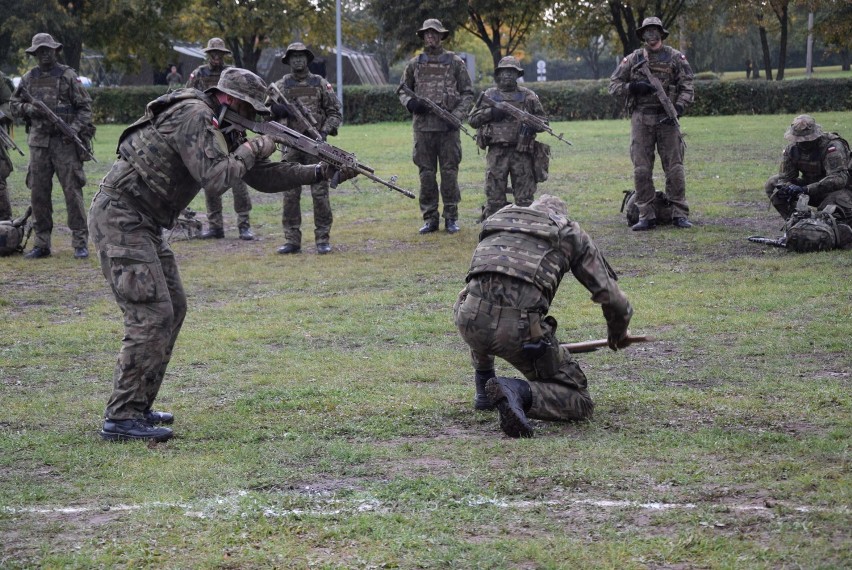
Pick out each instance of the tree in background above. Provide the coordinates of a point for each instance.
(833, 22)
(626, 17)
(503, 24)
(581, 27)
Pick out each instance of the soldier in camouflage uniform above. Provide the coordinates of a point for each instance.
(815, 163)
(317, 96)
(522, 255)
(441, 76)
(649, 125)
(202, 78)
(165, 158)
(5, 162)
(510, 143)
(60, 89)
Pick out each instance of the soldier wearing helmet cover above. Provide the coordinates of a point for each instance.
(440, 76)
(650, 127)
(181, 144)
(202, 78)
(509, 143)
(59, 88)
(815, 163)
(317, 96)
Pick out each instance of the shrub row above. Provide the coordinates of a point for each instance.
(562, 100)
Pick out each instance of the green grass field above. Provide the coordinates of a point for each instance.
(324, 403)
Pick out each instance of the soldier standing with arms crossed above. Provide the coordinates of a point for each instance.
(59, 88)
(203, 78)
(651, 127)
(318, 98)
(441, 76)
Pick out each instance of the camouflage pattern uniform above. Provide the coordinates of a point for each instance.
(63, 93)
(441, 76)
(5, 161)
(509, 151)
(522, 255)
(317, 95)
(820, 163)
(647, 131)
(202, 78)
(164, 159)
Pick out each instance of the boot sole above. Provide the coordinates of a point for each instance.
(112, 436)
(512, 422)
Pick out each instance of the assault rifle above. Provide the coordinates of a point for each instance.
(63, 127)
(775, 242)
(437, 110)
(321, 150)
(5, 139)
(525, 118)
(593, 345)
(660, 92)
(304, 119)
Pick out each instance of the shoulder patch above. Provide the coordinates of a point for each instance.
(624, 60)
(832, 148)
(329, 88)
(214, 121)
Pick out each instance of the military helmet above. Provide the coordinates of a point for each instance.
(217, 44)
(652, 21)
(297, 47)
(41, 40)
(803, 129)
(510, 62)
(553, 206)
(245, 86)
(433, 24)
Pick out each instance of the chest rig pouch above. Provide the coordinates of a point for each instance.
(433, 79)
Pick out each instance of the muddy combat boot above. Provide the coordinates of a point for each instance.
(125, 430)
(513, 399)
(481, 401)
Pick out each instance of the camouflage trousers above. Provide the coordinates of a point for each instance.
(5, 171)
(434, 150)
(840, 198)
(242, 206)
(59, 158)
(141, 270)
(501, 162)
(291, 218)
(559, 387)
(648, 134)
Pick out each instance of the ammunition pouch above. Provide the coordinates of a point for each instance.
(541, 161)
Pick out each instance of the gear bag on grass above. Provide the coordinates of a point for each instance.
(12, 234)
(662, 208)
(812, 231)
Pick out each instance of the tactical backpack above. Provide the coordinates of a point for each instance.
(662, 208)
(12, 234)
(808, 231)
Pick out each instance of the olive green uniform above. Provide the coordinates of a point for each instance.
(203, 78)
(648, 132)
(164, 160)
(317, 95)
(440, 76)
(522, 255)
(510, 148)
(5, 161)
(51, 153)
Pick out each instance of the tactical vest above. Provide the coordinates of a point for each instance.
(150, 154)
(522, 243)
(47, 87)
(662, 66)
(812, 165)
(308, 92)
(434, 80)
(209, 78)
(505, 131)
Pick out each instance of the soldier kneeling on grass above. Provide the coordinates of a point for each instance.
(522, 255)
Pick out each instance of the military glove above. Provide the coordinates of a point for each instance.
(279, 111)
(616, 337)
(417, 107)
(794, 191)
(335, 175)
(498, 115)
(679, 108)
(261, 146)
(32, 111)
(640, 88)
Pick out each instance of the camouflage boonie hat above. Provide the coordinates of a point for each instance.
(217, 44)
(433, 24)
(245, 86)
(297, 47)
(553, 207)
(510, 62)
(652, 21)
(42, 40)
(803, 129)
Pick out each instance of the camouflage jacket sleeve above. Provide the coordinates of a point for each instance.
(683, 79)
(331, 109)
(465, 88)
(835, 162)
(5, 96)
(194, 80)
(408, 81)
(80, 100)
(620, 78)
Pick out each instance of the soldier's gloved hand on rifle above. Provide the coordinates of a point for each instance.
(640, 88)
(498, 115)
(279, 111)
(679, 109)
(417, 107)
(326, 171)
(794, 190)
(262, 146)
(33, 112)
(616, 326)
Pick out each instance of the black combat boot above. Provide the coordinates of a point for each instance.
(513, 399)
(644, 225)
(124, 430)
(681, 223)
(452, 226)
(246, 233)
(38, 253)
(212, 233)
(429, 227)
(481, 401)
(155, 418)
(288, 248)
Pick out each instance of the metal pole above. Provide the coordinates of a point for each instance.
(809, 59)
(339, 60)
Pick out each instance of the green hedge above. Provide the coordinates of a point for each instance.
(562, 100)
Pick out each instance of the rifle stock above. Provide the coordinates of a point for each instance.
(57, 121)
(319, 149)
(593, 345)
(437, 110)
(522, 116)
(775, 242)
(5, 139)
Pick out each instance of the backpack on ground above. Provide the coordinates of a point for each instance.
(12, 234)
(808, 231)
(662, 208)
